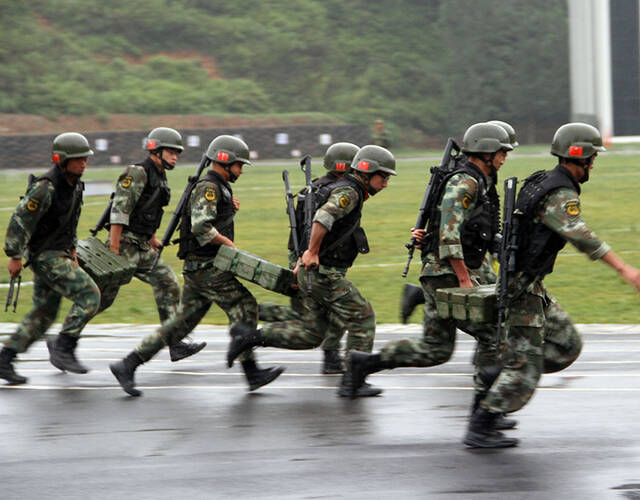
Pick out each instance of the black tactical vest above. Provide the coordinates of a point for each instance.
(147, 214)
(56, 230)
(341, 245)
(478, 231)
(300, 229)
(538, 246)
(223, 221)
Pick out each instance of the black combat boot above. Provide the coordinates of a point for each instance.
(257, 377)
(183, 350)
(243, 337)
(124, 370)
(482, 432)
(502, 423)
(362, 364)
(6, 367)
(62, 354)
(346, 389)
(332, 362)
(412, 296)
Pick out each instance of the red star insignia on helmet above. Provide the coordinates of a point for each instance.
(575, 151)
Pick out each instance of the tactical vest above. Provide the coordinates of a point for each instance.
(56, 230)
(300, 229)
(147, 214)
(223, 222)
(477, 233)
(538, 246)
(341, 245)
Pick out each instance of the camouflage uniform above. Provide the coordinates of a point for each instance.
(540, 336)
(136, 247)
(203, 284)
(437, 344)
(333, 299)
(274, 312)
(56, 273)
(271, 313)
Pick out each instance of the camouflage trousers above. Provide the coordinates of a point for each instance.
(163, 281)
(56, 275)
(439, 337)
(333, 301)
(275, 312)
(203, 285)
(540, 339)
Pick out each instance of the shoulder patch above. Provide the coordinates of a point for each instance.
(344, 201)
(572, 208)
(126, 182)
(33, 204)
(466, 200)
(210, 194)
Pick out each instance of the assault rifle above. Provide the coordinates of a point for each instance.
(104, 218)
(12, 285)
(177, 213)
(508, 247)
(291, 212)
(430, 199)
(305, 165)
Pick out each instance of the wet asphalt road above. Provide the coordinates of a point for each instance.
(197, 433)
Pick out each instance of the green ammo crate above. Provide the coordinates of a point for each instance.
(105, 267)
(255, 269)
(477, 304)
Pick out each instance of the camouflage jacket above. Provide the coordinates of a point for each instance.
(24, 221)
(458, 204)
(129, 188)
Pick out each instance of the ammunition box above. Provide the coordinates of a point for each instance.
(477, 304)
(105, 267)
(254, 269)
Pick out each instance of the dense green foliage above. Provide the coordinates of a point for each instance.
(590, 291)
(430, 66)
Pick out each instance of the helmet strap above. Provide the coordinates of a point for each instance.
(232, 177)
(158, 154)
(490, 165)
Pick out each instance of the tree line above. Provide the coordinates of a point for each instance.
(427, 67)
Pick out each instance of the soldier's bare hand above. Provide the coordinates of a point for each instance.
(632, 275)
(14, 266)
(155, 243)
(236, 203)
(418, 234)
(310, 260)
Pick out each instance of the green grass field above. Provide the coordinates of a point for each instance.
(590, 291)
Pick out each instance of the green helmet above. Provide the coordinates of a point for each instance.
(227, 149)
(510, 130)
(69, 145)
(373, 158)
(163, 137)
(339, 156)
(485, 138)
(576, 140)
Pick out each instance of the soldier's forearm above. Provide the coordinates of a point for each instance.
(318, 232)
(115, 233)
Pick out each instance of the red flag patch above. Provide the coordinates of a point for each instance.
(151, 144)
(575, 151)
(55, 157)
(222, 156)
(363, 165)
(341, 167)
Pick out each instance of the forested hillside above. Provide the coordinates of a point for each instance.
(425, 66)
